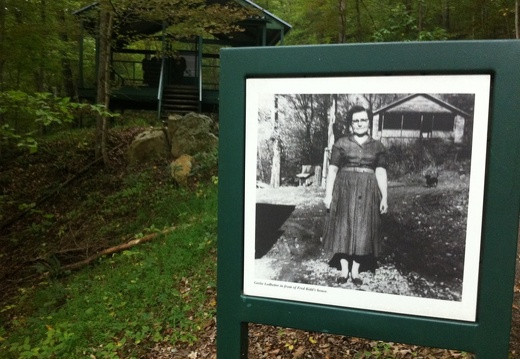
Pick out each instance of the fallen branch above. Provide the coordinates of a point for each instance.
(116, 249)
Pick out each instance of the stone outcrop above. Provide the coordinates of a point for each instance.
(191, 134)
(181, 169)
(187, 136)
(148, 146)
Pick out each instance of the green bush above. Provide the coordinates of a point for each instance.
(22, 115)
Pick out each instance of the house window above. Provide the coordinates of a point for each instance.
(412, 121)
(417, 121)
(443, 122)
(391, 121)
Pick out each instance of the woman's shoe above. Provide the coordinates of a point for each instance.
(342, 280)
(357, 281)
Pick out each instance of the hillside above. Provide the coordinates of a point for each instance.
(52, 204)
(59, 207)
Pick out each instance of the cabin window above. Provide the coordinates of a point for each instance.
(417, 121)
(391, 121)
(443, 122)
(412, 121)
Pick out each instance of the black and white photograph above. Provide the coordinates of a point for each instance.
(366, 192)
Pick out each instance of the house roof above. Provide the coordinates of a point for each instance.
(276, 28)
(253, 34)
(424, 103)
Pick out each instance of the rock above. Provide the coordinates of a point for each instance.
(181, 169)
(191, 134)
(147, 146)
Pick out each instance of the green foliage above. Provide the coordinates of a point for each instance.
(401, 25)
(205, 166)
(378, 350)
(127, 302)
(23, 114)
(333, 21)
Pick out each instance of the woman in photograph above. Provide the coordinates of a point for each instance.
(356, 196)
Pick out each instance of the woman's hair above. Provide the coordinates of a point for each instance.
(355, 109)
(341, 127)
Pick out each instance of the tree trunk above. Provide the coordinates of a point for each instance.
(359, 32)
(103, 79)
(66, 66)
(342, 33)
(275, 166)
(332, 112)
(309, 122)
(446, 14)
(39, 72)
(420, 16)
(2, 45)
(408, 6)
(517, 29)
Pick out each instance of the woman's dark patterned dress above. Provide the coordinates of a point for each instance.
(353, 226)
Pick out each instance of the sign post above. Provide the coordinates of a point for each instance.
(477, 318)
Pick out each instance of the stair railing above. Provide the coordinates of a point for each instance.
(160, 90)
(162, 74)
(199, 68)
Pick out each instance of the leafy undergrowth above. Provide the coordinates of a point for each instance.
(123, 304)
(156, 300)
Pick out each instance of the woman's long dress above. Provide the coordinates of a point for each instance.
(353, 226)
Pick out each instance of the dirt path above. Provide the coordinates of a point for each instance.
(296, 255)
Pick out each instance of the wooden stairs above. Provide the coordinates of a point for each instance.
(180, 99)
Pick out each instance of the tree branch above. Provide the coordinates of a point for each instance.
(116, 249)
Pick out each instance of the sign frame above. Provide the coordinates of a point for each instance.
(488, 335)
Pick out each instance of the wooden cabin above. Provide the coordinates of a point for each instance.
(419, 116)
(177, 76)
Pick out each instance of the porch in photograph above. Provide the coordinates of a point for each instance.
(420, 116)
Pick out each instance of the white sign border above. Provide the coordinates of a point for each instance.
(465, 310)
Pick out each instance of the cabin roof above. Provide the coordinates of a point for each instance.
(275, 28)
(423, 103)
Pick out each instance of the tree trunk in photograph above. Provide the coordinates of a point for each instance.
(332, 118)
(103, 79)
(330, 139)
(317, 176)
(275, 167)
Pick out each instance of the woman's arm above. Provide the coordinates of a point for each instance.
(382, 183)
(331, 178)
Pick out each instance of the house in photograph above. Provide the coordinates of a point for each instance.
(419, 116)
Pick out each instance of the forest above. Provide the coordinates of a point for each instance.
(40, 60)
(308, 123)
(68, 195)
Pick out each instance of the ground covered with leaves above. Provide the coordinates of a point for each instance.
(423, 245)
(54, 213)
